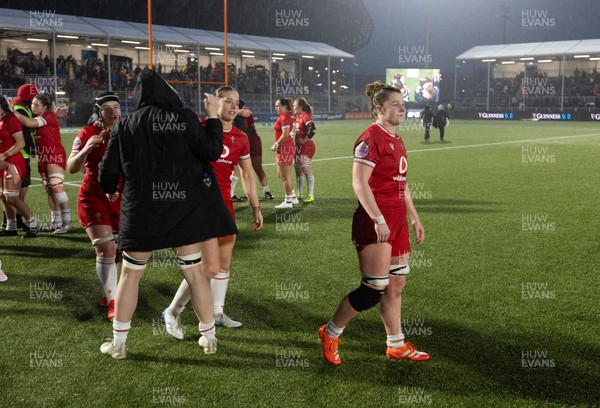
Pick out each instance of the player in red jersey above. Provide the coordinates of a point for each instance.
(284, 146)
(245, 122)
(51, 155)
(379, 227)
(236, 149)
(98, 214)
(11, 143)
(305, 148)
(14, 173)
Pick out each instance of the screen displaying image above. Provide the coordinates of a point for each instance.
(417, 85)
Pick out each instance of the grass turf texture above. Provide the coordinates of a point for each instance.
(501, 294)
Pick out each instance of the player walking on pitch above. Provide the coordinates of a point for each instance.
(379, 227)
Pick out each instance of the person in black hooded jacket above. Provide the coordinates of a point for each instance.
(170, 198)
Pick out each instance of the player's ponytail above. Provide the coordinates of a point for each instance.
(378, 94)
(303, 104)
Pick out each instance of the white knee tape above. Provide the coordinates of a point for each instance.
(56, 179)
(11, 193)
(132, 263)
(99, 241)
(376, 280)
(188, 261)
(399, 270)
(62, 197)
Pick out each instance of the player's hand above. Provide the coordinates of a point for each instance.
(419, 232)
(12, 170)
(112, 197)
(274, 147)
(62, 112)
(383, 232)
(258, 219)
(211, 105)
(92, 143)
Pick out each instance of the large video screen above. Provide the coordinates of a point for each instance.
(417, 85)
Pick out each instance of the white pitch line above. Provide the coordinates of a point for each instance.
(466, 146)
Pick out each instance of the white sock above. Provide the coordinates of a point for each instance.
(332, 330)
(120, 332)
(207, 330)
(265, 189)
(107, 274)
(299, 183)
(181, 298)
(234, 181)
(56, 217)
(395, 341)
(11, 224)
(31, 222)
(66, 216)
(311, 185)
(218, 287)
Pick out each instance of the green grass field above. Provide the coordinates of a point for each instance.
(501, 294)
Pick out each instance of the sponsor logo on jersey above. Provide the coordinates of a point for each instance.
(362, 150)
(225, 151)
(403, 165)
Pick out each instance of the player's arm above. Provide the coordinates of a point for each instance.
(361, 173)
(34, 123)
(16, 147)
(206, 143)
(411, 211)
(77, 157)
(249, 186)
(285, 134)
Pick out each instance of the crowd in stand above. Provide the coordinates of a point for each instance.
(92, 73)
(542, 90)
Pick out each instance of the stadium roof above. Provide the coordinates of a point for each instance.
(17, 23)
(536, 49)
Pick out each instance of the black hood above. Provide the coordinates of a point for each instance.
(152, 90)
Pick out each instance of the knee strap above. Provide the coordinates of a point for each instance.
(56, 180)
(376, 280)
(10, 193)
(99, 241)
(364, 297)
(132, 263)
(189, 261)
(399, 270)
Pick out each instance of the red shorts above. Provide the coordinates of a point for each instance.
(19, 163)
(50, 155)
(93, 208)
(255, 144)
(285, 154)
(305, 152)
(363, 229)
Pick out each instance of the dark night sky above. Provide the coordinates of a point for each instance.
(458, 25)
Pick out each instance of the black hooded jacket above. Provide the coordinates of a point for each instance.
(170, 194)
